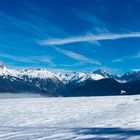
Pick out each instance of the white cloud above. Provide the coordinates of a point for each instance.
(84, 15)
(136, 56)
(31, 59)
(88, 38)
(18, 59)
(98, 25)
(117, 60)
(78, 56)
(137, 69)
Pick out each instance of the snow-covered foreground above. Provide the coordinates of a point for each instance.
(81, 118)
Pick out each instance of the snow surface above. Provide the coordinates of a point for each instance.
(80, 118)
(11, 72)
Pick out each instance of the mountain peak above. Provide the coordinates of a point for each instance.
(1, 65)
(101, 72)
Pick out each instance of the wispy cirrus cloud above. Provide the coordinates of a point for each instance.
(117, 60)
(122, 59)
(88, 38)
(15, 58)
(77, 56)
(31, 27)
(137, 69)
(97, 24)
(98, 27)
(84, 15)
(137, 56)
(31, 59)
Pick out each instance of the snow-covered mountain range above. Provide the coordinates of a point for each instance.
(58, 83)
(45, 74)
(66, 78)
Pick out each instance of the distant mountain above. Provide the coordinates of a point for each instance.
(131, 76)
(132, 87)
(101, 87)
(48, 83)
(32, 81)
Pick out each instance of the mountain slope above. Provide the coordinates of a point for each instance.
(49, 87)
(95, 88)
(130, 76)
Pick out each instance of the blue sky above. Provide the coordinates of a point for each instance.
(70, 35)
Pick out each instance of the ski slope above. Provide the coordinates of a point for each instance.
(81, 118)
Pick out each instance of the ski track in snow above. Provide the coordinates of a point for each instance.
(80, 118)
